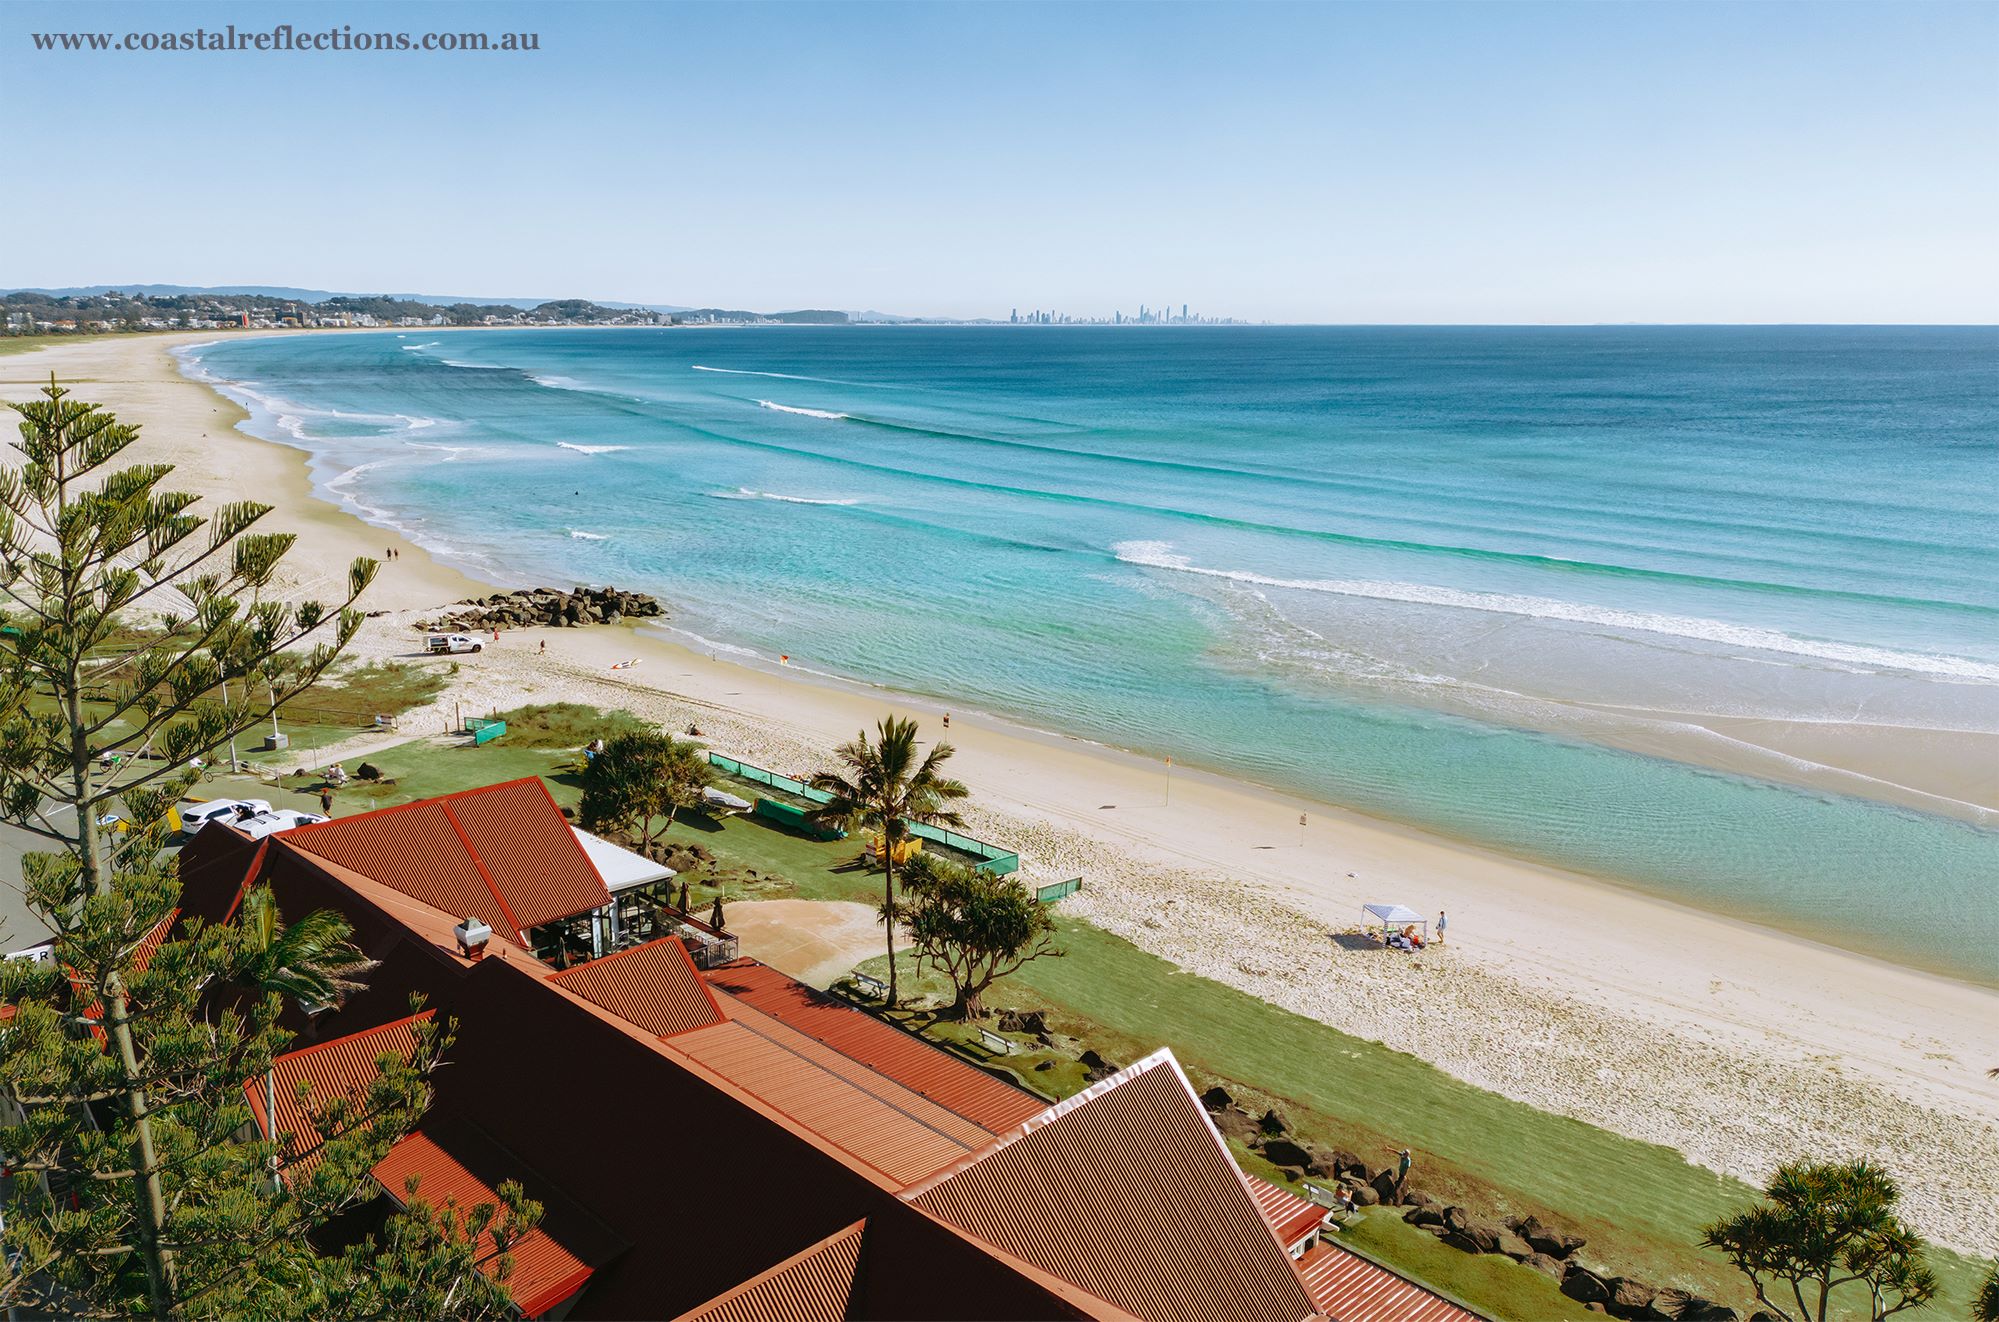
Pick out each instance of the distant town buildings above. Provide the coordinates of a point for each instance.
(1145, 316)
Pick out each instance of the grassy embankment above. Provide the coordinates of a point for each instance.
(1640, 1205)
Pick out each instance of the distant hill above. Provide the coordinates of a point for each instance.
(289, 295)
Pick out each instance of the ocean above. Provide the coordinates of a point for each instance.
(1535, 589)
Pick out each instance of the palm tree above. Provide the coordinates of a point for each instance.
(311, 961)
(885, 788)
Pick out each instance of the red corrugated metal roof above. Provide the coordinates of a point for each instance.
(1126, 1191)
(1350, 1288)
(866, 1115)
(342, 1069)
(810, 1286)
(653, 986)
(858, 1035)
(545, 1272)
(1291, 1215)
(536, 862)
(502, 854)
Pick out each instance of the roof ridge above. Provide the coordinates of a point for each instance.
(485, 874)
(857, 1228)
(349, 1037)
(1055, 1112)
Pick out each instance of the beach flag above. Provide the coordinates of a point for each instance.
(785, 658)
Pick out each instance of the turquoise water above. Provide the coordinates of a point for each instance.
(1442, 576)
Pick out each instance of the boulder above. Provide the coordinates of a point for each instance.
(1681, 1306)
(1418, 1198)
(1584, 1286)
(1514, 1247)
(1283, 1152)
(1024, 1021)
(1384, 1183)
(1471, 1233)
(1364, 1196)
(1544, 1239)
(1547, 1266)
(367, 771)
(1216, 1098)
(1236, 1123)
(1427, 1216)
(1273, 1123)
(1630, 1299)
(1346, 1163)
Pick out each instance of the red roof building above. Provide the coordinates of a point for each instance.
(734, 1146)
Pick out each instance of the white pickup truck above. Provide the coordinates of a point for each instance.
(444, 643)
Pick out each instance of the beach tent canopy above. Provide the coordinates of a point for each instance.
(1395, 915)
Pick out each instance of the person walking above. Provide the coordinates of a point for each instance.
(1441, 923)
(326, 802)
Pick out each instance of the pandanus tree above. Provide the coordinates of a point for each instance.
(975, 927)
(886, 785)
(639, 780)
(1821, 1229)
(132, 627)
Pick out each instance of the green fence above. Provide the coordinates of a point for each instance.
(992, 858)
(483, 730)
(1055, 891)
(793, 817)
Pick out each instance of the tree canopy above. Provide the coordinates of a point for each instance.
(639, 780)
(974, 927)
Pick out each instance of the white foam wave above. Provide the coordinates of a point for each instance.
(577, 534)
(554, 382)
(1160, 555)
(749, 493)
(808, 413)
(418, 348)
(474, 367)
(590, 449)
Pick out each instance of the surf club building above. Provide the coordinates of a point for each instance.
(727, 1144)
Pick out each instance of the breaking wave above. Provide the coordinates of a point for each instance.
(749, 493)
(808, 413)
(590, 449)
(1160, 555)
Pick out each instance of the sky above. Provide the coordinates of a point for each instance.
(1411, 162)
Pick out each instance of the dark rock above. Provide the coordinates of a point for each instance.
(1216, 1098)
(1418, 1198)
(1273, 1123)
(1554, 1243)
(1095, 1067)
(1364, 1196)
(1045, 1065)
(1681, 1306)
(1547, 1266)
(1630, 1299)
(1460, 1241)
(1427, 1216)
(1236, 1123)
(367, 771)
(1483, 1235)
(1283, 1152)
(1385, 1184)
(1514, 1247)
(1584, 1286)
(1022, 1021)
(1346, 1163)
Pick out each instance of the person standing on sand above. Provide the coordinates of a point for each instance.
(1440, 926)
(947, 720)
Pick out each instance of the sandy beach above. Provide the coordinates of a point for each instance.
(1737, 1045)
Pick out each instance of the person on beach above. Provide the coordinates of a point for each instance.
(1440, 927)
(544, 647)
(947, 720)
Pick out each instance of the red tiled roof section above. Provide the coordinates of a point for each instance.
(811, 1286)
(858, 1035)
(1349, 1287)
(535, 860)
(1126, 1191)
(415, 849)
(866, 1115)
(653, 987)
(341, 1069)
(502, 854)
(545, 1272)
(1293, 1217)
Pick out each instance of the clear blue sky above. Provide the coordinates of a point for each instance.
(1375, 163)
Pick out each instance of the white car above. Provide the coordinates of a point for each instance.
(281, 819)
(446, 643)
(194, 816)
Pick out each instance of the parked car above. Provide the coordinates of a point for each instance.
(195, 815)
(281, 819)
(441, 643)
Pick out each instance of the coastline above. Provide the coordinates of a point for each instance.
(1736, 1044)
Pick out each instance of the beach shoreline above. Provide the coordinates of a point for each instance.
(1737, 1044)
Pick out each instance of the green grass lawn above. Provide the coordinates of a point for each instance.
(1640, 1205)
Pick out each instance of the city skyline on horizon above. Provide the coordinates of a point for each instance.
(1356, 164)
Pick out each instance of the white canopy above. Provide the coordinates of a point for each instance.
(620, 868)
(1395, 915)
(723, 799)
